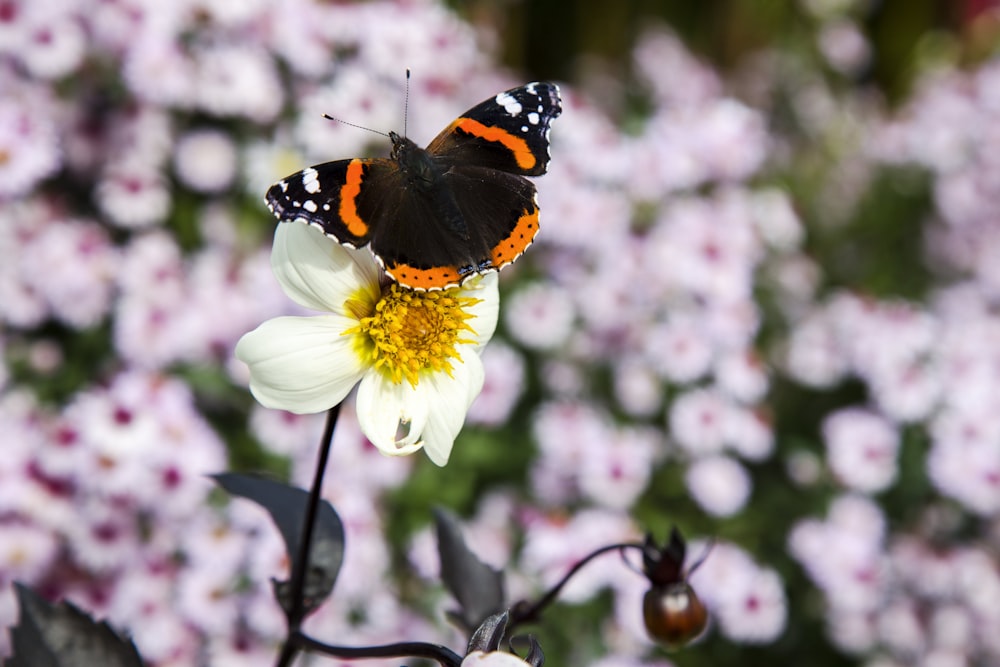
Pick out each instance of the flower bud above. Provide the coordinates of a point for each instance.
(673, 614)
(671, 610)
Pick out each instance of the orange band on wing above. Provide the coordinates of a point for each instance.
(438, 277)
(518, 146)
(349, 192)
(519, 239)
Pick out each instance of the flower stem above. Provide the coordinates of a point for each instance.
(441, 654)
(527, 612)
(301, 566)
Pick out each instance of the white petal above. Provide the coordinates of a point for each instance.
(386, 409)
(449, 399)
(486, 312)
(493, 659)
(301, 364)
(317, 272)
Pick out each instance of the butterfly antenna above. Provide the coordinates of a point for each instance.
(360, 127)
(406, 101)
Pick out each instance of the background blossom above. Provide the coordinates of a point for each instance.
(762, 306)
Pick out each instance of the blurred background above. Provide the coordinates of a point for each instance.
(762, 307)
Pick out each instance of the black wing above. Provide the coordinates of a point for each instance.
(370, 202)
(500, 209)
(339, 197)
(508, 132)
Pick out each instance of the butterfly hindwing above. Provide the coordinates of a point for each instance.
(508, 132)
(413, 240)
(502, 217)
(505, 208)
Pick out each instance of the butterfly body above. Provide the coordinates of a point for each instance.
(436, 216)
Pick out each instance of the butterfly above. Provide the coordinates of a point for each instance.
(435, 216)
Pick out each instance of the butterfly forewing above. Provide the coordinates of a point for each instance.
(326, 195)
(508, 132)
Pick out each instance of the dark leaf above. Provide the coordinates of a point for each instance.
(287, 507)
(61, 635)
(489, 635)
(535, 657)
(476, 586)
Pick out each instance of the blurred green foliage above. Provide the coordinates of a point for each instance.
(556, 38)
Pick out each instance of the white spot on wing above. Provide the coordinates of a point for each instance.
(533, 118)
(310, 206)
(509, 103)
(310, 180)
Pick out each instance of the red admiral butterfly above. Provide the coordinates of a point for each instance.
(436, 216)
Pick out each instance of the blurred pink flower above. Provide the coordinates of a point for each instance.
(969, 472)
(167, 638)
(205, 160)
(698, 421)
(673, 73)
(26, 551)
(78, 284)
(504, 383)
(159, 71)
(862, 449)
(54, 47)
(815, 356)
(843, 555)
(756, 612)
(240, 649)
(845, 47)
(719, 484)
(748, 601)
(638, 390)
(742, 375)
(540, 316)
(616, 472)
(29, 144)
(678, 349)
(749, 433)
(237, 80)
(133, 195)
(900, 629)
(206, 598)
(104, 537)
(566, 433)
(353, 96)
(283, 432)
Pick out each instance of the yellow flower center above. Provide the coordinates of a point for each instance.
(410, 332)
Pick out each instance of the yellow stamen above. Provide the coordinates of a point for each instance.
(410, 332)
